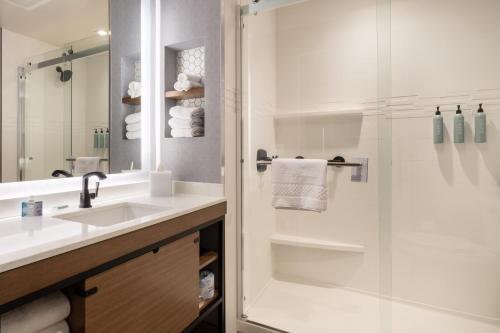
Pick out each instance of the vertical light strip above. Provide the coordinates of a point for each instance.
(146, 103)
(158, 87)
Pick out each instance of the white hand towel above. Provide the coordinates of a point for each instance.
(133, 135)
(182, 112)
(60, 327)
(299, 184)
(184, 123)
(188, 77)
(85, 165)
(187, 132)
(133, 118)
(134, 127)
(36, 315)
(188, 85)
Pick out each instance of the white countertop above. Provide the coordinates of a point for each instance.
(27, 240)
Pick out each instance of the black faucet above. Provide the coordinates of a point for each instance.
(86, 196)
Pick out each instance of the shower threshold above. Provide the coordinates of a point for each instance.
(301, 308)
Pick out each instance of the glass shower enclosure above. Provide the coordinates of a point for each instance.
(415, 247)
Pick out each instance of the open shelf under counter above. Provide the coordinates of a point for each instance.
(181, 95)
(312, 243)
(208, 258)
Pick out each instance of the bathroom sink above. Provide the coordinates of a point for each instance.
(112, 214)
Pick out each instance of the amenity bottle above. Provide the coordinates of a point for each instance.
(458, 127)
(480, 125)
(438, 127)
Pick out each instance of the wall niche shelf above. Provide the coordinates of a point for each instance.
(312, 114)
(181, 95)
(312, 243)
(131, 101)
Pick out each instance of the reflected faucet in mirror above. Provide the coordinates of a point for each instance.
(63, 173)
(85, 195)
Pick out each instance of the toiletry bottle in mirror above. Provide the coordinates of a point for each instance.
(438, 127)
(458, 126)
(96, 139)
(480, 125)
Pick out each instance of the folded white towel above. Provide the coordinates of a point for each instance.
(85, 165)
(133, 135)
(133, 118)
(134, 127)
(188, 77)
(188, 85)
(299, 184)
(60, 327)
(187, 132)
(36, 315)
(183, 112)
(185, 123)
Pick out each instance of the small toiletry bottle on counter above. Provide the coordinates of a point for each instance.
(438, 127)
(458, 126)
(480, 125)
(31, 207)
(160, 182)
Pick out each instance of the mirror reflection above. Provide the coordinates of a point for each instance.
(70, 95)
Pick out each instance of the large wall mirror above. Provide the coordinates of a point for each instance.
(70, 88)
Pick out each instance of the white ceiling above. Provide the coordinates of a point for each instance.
(55, 21)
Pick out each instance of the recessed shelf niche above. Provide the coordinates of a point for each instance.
(187, 57)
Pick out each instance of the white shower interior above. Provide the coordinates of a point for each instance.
(312, 86)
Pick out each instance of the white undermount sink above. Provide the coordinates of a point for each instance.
(112, 214)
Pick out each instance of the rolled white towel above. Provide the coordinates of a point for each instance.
(188, 77)
(183, 112)
(188, 85)
(133, 135)
(134, 85)
(187, 132)
(60, 327)
(134, 93)
(133, 118)
(36, 315)
(178, 86)
(133, 127)
(185, 123)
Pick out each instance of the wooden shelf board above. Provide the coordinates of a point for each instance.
(312, 243)
(180, 95)
(207, 258)
(206, 302)
(131, 101)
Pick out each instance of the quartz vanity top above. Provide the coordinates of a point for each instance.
(27, 240)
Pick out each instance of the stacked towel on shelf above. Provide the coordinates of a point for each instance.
(45, 315)
(299, 184)
(186, 82)
(186, 122)
(133, 126)
(134, 89)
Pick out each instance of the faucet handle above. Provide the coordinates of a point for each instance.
(96, 189)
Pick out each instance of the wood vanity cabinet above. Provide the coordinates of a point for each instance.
(155, 292)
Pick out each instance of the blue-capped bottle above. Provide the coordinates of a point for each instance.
(458, 126)
(438, 127)
(480, 125)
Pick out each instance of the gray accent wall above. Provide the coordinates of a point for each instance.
(187, 24)
(125, 23)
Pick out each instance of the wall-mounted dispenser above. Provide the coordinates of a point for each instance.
(480, 125)
(438, 127)
(458, 126)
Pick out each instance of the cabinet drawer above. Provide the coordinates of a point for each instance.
(156, 292)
